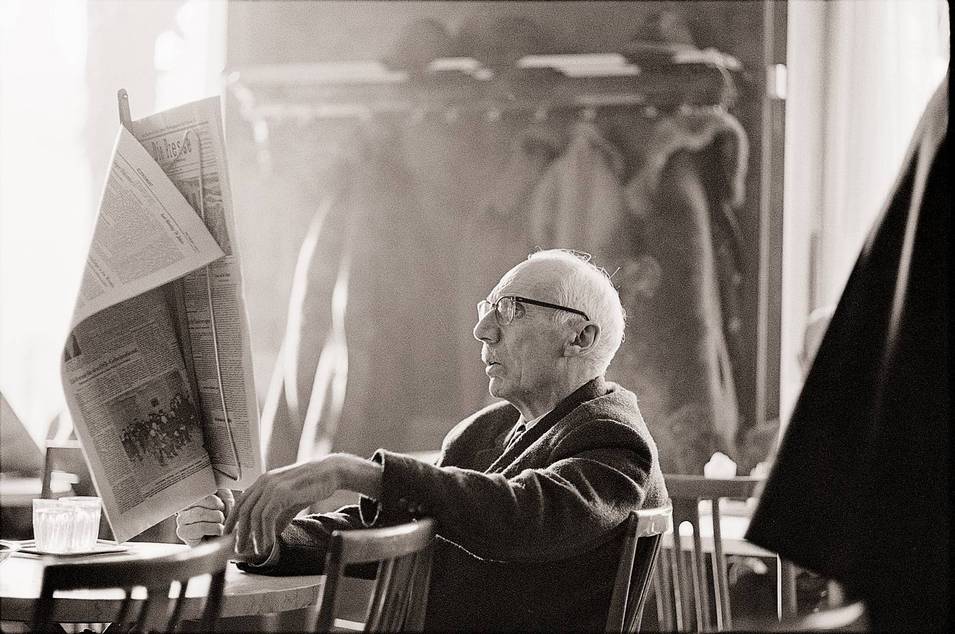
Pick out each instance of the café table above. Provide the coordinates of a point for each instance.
(245, 594)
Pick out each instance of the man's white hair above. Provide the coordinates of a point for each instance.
(588, 288)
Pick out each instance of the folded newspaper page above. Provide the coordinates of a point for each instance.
(157, 368)
(123, 372)
(188, 144)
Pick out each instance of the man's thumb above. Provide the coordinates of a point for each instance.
(228, 499)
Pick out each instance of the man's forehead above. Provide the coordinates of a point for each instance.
(527, 278)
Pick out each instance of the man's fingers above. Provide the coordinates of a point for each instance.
(198, 531)
(209, 502)
(231, 521)
(192, 534)
(260, 524)
(275, 525)
(228, 499)
(259, 513)
(244, 520)
(196, 522)
(241, 521)
(274, 519)
(201, 515)
(238, 509)
(267, 530)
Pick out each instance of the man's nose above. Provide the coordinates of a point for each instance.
(486, 329)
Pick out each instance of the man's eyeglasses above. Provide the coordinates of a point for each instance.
(505, 308)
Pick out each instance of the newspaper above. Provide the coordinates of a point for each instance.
(187, 143)
(157, 367)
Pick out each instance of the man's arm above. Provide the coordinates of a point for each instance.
(299, 550)
(267, 507)
(592, 479)
(302, 546)
(584, 489)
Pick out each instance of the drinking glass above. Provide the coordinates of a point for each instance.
(52, 526)
(86, 512)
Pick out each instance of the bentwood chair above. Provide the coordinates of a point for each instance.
(67, 457)
(641, 545)
(399, 594)
(682, 583)
(155, 611)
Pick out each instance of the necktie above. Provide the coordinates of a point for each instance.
(514, 436)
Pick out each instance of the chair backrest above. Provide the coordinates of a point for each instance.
(67, 456)
(157, 612)
(640, 547)
(687, 584)
(400, 592)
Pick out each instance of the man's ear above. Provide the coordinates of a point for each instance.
(583, 341)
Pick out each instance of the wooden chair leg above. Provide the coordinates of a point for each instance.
(721, 592)
(682, 587)
(787, 604)
(664, 591)
(700, 587)
(701, 607)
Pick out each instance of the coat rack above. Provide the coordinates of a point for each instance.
(451, 86)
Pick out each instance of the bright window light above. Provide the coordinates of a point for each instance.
(61, 63)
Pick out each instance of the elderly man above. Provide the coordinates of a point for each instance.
(529, 494)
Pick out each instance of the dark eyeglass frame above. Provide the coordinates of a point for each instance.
(524, 300)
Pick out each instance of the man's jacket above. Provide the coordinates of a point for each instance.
(528, 538)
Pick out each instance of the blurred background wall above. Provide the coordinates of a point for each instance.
(285, 166)
(853, 67)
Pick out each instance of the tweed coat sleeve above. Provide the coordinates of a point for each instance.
(562, 495)
(302, 546)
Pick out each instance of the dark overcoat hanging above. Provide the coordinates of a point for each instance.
(860, 489)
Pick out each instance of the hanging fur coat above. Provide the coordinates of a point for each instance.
(654, 234)
(682, 283)
(345, 371)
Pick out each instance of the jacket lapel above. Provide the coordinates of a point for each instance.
(586, 392)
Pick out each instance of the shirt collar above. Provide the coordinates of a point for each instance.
(530, 423)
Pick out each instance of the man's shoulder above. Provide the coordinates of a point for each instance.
(496, 411)
(487, 422)
(611, 415)
(614, 403)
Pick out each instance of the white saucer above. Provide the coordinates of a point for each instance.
(102, 547)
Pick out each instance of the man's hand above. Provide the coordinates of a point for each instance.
(206, 517)
(267, 507)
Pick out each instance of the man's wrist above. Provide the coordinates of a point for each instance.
(359, 475)
(268, 561)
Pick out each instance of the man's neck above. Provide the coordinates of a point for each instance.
(530, 422)
(539, 407)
